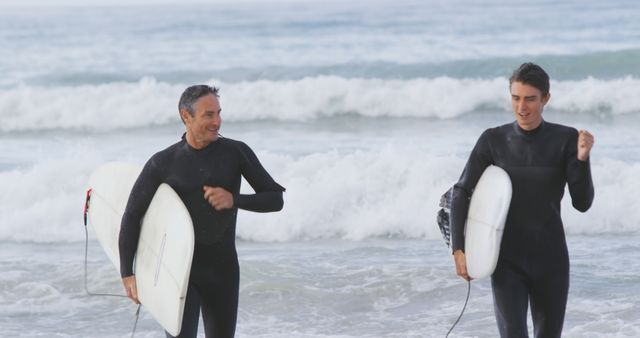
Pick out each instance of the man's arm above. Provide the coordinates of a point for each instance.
(478, 161)
(268, 193)
(578, 171)
(141, 195)
(264, 201)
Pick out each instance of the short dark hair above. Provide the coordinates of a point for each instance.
(531, 74)
(192, 94)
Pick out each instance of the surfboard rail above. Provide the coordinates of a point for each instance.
(488, 210)
(165, 248)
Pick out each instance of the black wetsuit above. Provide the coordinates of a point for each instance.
(534, 263)
(214, 279)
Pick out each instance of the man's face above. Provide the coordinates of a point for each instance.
(204, 126)
(527, 102)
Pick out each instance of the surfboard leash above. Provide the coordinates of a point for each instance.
(86, 254)
(463, 308)
(135, 324)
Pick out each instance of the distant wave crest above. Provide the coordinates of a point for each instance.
(149, 102)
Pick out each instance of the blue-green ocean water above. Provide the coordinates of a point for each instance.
(365, 112)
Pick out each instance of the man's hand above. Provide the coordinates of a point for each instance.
(461, 264)
(585, 143)
(219, 198)
(131, 289)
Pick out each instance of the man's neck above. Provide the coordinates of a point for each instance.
(194, 143)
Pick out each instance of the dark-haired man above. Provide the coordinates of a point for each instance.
(540, 158)
(205, 170)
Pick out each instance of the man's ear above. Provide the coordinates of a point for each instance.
(546, 98)
(185, 116)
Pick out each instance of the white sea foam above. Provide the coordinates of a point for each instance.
(149, 102)
(333, 288)
(614, 209)
(393, 191)
(98, 107)
(618, 96)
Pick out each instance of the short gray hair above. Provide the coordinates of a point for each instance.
(192, 94)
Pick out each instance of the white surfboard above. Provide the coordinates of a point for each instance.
(488, 211)
(165, 248)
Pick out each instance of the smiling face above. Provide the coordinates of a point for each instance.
(528, 102)
(204, 125)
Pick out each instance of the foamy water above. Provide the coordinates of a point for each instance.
(371, 288)
(366, 113)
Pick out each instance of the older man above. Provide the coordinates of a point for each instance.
(205, 170)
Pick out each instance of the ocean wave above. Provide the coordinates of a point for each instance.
(395, 193)
(149, 102)
(602, 64)
(390, 192)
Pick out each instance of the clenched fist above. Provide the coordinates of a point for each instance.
(585, 143)
(219, 198)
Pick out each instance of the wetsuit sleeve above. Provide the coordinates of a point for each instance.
(141, 195)
(268, 193)
(479, 160)
(578, 175)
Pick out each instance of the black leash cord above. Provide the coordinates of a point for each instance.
(463, 308)
(136, 322)
(86, 283)
(86, 288)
